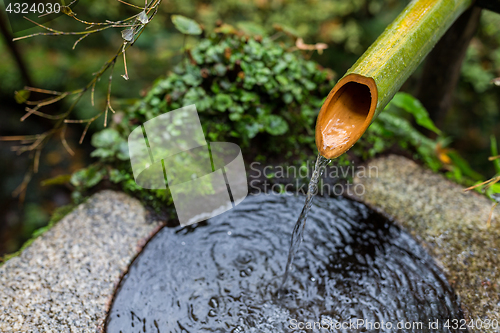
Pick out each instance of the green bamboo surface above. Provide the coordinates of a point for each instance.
(398, 51)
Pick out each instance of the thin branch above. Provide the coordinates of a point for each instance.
(108, 96)
(35, 143)
(21, 189)
(49, 100)
(64, 142)
(79, 40)
(54, 32)
(43, 91)
(88, 121)
(496, 179)
(92, 93)
(41, 114)
(125, 64)
(36, 161)
(488, 224)
(129, 4)
(19, 137)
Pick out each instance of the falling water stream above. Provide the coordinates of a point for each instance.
(298, 229)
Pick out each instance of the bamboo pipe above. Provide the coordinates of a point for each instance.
(372, 81)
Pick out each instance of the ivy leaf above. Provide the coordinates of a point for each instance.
(252, 129)
(275, 125)
(122, 151)
(58, 180)
(86, 178)
(106, 138)
(223, 102)
(186, 25)
(21, 96)
(412, 105)
(220, 69)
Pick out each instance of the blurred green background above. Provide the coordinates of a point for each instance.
(347, 27)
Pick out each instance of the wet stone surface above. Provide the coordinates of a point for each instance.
(223, 275)
(450, 223)
(64, 281)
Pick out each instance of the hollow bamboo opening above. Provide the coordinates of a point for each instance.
(346, 114)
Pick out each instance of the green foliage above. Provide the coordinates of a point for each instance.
(21, 96)
(351, 25)
(243, 88)
(110, 145)
(186, 25)
(247, 90)
(393, 128)
(413, 106)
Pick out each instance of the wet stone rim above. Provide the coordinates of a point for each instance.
(64, 281)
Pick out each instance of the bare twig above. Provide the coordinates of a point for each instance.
(129, 4)
(35, 143)
(488, 224)
(489, 183)
(64, 142)
(21, 189)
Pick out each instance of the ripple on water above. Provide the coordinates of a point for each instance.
(222, 275)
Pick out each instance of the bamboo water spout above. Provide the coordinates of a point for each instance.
(372, 81)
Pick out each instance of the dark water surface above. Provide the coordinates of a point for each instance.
(223, 275)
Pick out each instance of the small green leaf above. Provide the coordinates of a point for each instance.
(186, 25)
(220, 69)
(275, 125)
(21, 96)
(223, 102)
(288, 98)
(464, 166)
(116, 176)
(122, 151)
(86, 178)
(252, 129)
(102, 153)
(58, 180)
(106, 138)
(494, 152)
(412, 105)
(282, 80)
